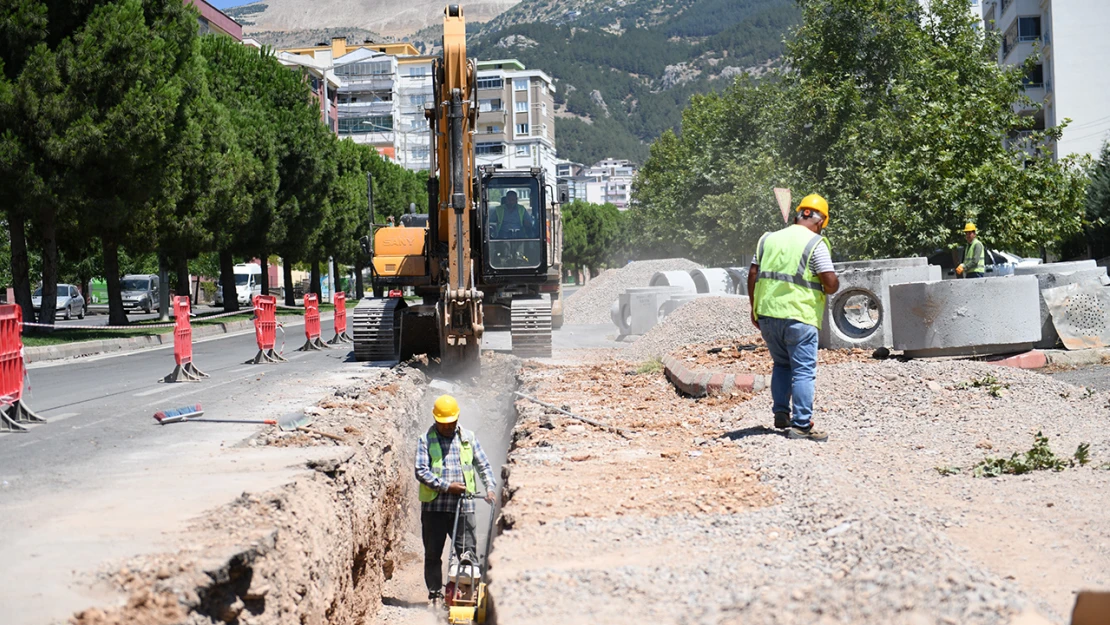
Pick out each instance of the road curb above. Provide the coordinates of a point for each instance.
(84, 349)
(1035, 359)
(707, 383)
(1081, 358)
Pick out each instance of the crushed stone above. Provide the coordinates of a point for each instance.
(592, 302)
(704, 320)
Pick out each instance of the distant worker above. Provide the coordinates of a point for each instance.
(445, 460)
(975, 255)
(790, 275)
(511, 220)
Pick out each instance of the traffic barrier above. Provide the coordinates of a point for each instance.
(340, 320)
(312, 324)
(265, 330)
(13, 412)
(185, 371)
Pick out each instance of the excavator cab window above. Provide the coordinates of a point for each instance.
(515, 220)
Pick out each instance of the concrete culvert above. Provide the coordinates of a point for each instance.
(679, 279)
(857, 313)
(715, 281)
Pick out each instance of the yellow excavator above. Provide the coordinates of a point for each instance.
(466, 262)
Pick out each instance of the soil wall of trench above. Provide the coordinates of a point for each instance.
(313, 552)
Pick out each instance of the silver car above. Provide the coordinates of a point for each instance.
(70, 301)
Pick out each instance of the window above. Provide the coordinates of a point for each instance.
(489, 105)
(520, 84)
(521, 107)
(543, 109)
(366, 68)
(420, 154)
(1035, 77)
(523, 150)
(362, 125)
(418, 72)
(522, 129)
(515, 221)
(418, 100)
(490, 83)
(487, 149)
(493, 129)
(1009, 40)
(1029, 28)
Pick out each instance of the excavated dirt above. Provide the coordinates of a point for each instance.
(706, 514)
(316, 551)
(748, 354)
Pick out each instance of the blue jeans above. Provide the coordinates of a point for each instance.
(793, 347)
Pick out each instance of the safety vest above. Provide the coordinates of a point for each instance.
(975, 257)
(466, 458)
(501, 218)
(787, 288)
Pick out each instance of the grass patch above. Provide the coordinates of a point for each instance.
(1039, 458)
(652, 366)
(989, 382)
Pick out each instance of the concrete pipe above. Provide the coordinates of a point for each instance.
(715, 281)
(621, 315)
(739, 277)
(679, 279)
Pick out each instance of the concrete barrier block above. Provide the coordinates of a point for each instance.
(965, 317)
(645, 304)
(1068, 267)
(857, 316)
(1046, 281)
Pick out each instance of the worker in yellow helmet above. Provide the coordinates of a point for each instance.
(975, 255)
(790, 275)
(445, 461)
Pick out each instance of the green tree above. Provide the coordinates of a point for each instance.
(1097, 234)
(590, 233)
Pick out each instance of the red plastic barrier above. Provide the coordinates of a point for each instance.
(311, 316)
(185, 371)
(340, 313)
(265, 321)
(11, 354)
(182, 331)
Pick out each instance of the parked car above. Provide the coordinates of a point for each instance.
(70, 301)
(140, 292)
(998, 263)
(248, 283)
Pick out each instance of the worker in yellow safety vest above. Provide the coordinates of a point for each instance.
(790, 275)
(446, 458)
(975, 263)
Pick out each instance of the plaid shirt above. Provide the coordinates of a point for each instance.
(452, 471)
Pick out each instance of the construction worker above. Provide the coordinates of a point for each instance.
(974, 265)
(445, 461)
(511, 220)
(790, 275)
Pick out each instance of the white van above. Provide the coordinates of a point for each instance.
(248, 283)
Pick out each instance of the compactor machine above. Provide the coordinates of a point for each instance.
(487, 254)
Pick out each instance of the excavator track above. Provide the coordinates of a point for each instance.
(531, 326)
(376, 325)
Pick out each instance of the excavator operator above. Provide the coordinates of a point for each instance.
(511, 220)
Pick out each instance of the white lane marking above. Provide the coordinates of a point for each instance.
(153, 391)
(81, 427)
(61, 417)
(242, 369)
(29, 443)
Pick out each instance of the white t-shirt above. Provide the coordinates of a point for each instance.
(819, 262)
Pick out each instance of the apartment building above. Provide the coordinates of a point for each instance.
(321, 79)
(516, 117)
(1072, 74)
(215, 21)
(612, 182)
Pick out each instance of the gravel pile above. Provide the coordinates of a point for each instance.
(704, 320)
(591, 303)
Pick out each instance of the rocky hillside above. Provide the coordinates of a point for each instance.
(625, 69)
(388, 17)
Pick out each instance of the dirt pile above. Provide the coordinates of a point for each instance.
(706, 319)
(877, 532)
(748, 354)
(316, 551)
(591, 303)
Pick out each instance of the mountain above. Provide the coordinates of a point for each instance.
(387, 17)
(625, 69)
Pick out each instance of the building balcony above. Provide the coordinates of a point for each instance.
(366, 83)
(355, 109)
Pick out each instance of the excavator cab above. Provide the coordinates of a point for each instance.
(514, 218)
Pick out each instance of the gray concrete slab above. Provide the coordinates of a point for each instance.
(858, 315)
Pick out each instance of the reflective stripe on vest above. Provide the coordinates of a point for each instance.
(786, 288)
(501, 218)
(435, 453)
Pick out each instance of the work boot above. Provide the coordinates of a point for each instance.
(435, 596)
(782, 420)
(807, 432)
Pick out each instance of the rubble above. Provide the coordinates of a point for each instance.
(591, 303)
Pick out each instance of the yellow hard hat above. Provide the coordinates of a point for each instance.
(970, 227)
(817, 203)
(446, 409)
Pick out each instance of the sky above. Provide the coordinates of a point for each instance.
(223, 4)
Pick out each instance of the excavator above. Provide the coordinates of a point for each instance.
(487, 254)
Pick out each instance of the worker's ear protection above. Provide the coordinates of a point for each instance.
(809, 213)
